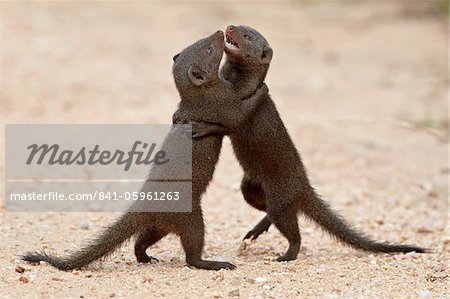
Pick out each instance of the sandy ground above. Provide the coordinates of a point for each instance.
(361, 88)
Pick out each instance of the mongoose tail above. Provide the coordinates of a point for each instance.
(123, 229)
(320, 212)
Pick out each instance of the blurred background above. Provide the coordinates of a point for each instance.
(362, 88)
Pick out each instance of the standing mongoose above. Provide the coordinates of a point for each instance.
(275, 179)
(205, 95)
(202, 109)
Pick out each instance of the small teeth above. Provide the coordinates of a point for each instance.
(230, 45)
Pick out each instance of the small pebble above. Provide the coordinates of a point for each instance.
(399, 257)
(440, 268)
(234, 293)
(410, 254)
(261, 279)
(147, 279)
(424, 293)
(23, 279)
(219, 276)
(446, 241)
(426, 186)
(242, 247)
(84, 225)
(424, 230)
(20, 269)
(32, 275)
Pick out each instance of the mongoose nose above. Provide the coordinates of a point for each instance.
(230, 28)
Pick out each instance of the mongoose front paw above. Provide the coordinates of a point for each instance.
(286, 258)
(263, 89)
(229, 266)
(199, 129)
(211, 265)
(202, 129)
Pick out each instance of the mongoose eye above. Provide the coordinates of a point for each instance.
(246, 36)
(210, 49)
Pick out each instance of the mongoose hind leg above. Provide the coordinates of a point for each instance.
(254, 196)
(193, 238)
(253, 193)
(286, 221)
(145, 239)
(259, 229)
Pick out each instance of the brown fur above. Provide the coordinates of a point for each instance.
(203, 97)
(275, 179)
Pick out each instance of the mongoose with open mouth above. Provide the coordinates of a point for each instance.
(275, 180)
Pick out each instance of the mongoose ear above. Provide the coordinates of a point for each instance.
(196, 75)
(176, 56)
(266, 56)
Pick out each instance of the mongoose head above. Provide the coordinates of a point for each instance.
(247, 46)
(198, 64)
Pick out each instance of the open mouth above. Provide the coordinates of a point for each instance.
(230, 43)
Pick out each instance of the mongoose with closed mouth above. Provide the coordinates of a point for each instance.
(275, 179)
(204, 96)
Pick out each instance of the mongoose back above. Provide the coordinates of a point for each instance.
(201, 89)
(275, 179)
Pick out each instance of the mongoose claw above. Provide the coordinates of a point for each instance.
(199, 129)
(257, 231)
(148, 259)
